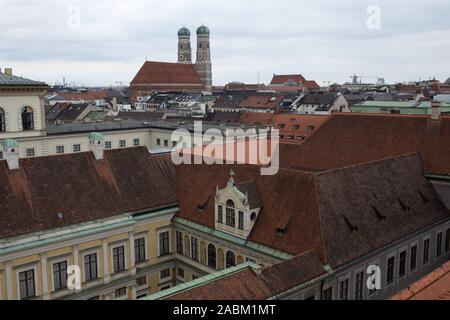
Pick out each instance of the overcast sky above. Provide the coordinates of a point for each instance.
(325, 40)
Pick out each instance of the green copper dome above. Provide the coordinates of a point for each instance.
(96, 136)
(184, 32)
(10, 143)
(203, 30)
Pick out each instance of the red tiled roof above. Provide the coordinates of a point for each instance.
(311, 85)
(296, 128)
(434, 286)
(351, 139)
(283, 78)
(253, 118)
(82, 188)
(249, 285)
(261, 102)
(166, 75)
(86, 96)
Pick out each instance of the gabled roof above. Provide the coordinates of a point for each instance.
(281, 79)
(249, 188)
(336, 213)
(166, 73)
(261, 101)
(82, 189)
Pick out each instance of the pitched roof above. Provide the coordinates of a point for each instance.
(82, 188)
(85, 96)
(251, 285)
(283, 78)
(253, 118)
(249, 188)
(11, 80)
(166, 73)
(315, 209)
(261, 101)
(296, 128)
(350, 139)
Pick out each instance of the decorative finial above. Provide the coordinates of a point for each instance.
(231, 177)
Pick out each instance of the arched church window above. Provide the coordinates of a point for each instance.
(2, 121)
(212, 256)
(230, 259)
(27, 119)
(230, 213)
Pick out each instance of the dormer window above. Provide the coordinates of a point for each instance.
(241, 204)
(230, 211)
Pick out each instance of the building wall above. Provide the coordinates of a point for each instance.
(41, 257)
(380, 258)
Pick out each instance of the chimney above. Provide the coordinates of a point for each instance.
(11, 150)
(8, 71)
(435, 110)
(97, 145)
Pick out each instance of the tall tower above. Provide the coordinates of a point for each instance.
(203, 62)
(184, 46)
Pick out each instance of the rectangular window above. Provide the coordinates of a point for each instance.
(139, 250)
(447, 238)
(164, 274)
(76, 148)
(180, 273)
(30, 152)
(90, 267)
(108, 145)
(230, 218)
(194, 248)
(241, 220)
(1, 155)
(327, 294)
(141, 281)
(166, 143)
(426, 251)
(174, 144)
(390, 270)
(402, 264)
(179, 242)
(359, 286)
(26, 284)
(135, 142)
(220, 214)
(164, 243)
(439, 245)
(122, 143)
(60, 275)
(120, 292)
(413, 259)
(119, 259)
(59, 149)
(343, 290)
(158, 142)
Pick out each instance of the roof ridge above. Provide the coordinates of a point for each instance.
(363, 164)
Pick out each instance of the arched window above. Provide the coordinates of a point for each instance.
(212, 256)
(230, 259)
(27, 119)
(230, 213)
(2, 121)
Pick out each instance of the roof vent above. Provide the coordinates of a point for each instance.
(380, 216)
(403, 205)
(352, 227)
(60, 215)
(424, 199)
(202, 206)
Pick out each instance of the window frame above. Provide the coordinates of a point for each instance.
(125, 262)
(227, 265)
(53, 263)
(136, 255)
(27, 268)
(27, 123)
(83, 257)
(159, 242)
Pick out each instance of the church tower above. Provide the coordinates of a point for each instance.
(184, 46)
(203, 62)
